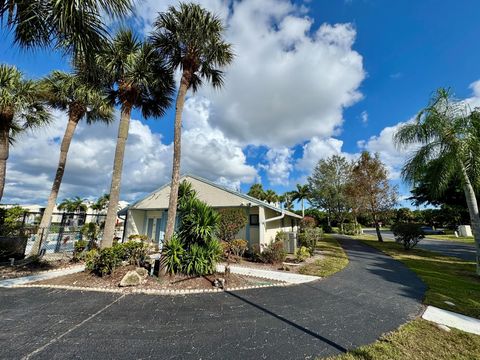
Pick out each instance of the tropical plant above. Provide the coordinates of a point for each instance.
(238, 247)
(101, 203)
(446, 136)
(102, 262)
(273, 253)
(139, 79)
(230, 223)
(81, 100)
(90, 231)
(301, 194)
(11, 221)
(73, 204)
(256, 191)
(270, 197)
(191, 39)
(172, 255)
(77, 27)
(196, 262)
(198, 224)
(371, 189)
(21, 109)
(286, 200)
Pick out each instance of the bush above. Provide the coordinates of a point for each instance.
(138, 238)
(281, 236)
(199, 222)
(196, 261)
(79, 248)
(238, 247)
(303, 253)
(230, 223)
(273, 253)
(408, 234)
(102, 262)
(309, 238)
(352, 229)
(133, 252)
(327, 229)
(308, 222)
(172, 255)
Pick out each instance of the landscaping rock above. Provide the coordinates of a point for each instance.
(142, 272)
(131, 278)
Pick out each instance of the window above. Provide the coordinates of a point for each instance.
(254, 219)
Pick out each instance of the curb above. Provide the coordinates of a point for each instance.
(452, 319)
(149, 291)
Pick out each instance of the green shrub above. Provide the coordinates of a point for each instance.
(12, 221)
(79, 248)
(137, 237)
(408, 234)
(133, 252)
(281, 236)
(308, 222)
(303, 253)
(327, 229)
(196, 262)
(198, 223)
(352, 229)
(102, 262)
(309, 238)
(173, 255)
(273, 253)
(238, 247)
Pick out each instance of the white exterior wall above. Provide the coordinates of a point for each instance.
(135, 223)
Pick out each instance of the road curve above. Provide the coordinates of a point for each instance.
(372, 295)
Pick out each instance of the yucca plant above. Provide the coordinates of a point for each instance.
(173, 254)
(199, 223)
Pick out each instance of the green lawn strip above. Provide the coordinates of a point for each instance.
(448, 278)
(460, 239)
(334, 259)
(419, 340)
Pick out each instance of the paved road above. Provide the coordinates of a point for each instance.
(373, 295)
(449, 248)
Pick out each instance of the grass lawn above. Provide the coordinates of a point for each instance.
(333, 261)
(419, 340)
(448, 278)
(462, 239)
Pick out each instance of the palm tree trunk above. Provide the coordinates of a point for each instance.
(472, 205)
(4, 151)
(303, 209)
(177, 138)
(110, 221)
(52, 199)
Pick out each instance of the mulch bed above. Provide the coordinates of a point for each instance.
(30, 268)
(176, 282)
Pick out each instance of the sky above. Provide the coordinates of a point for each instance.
(310, 79)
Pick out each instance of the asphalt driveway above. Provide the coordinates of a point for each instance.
(373, 295)
(444, 247)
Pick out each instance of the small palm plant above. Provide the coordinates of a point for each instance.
(73, 205)
(81, 100)
(301, 194)
(191, 39)
(139, 79)
(446, 142)
(21, 109)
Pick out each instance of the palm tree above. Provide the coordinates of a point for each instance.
(21, 109)
(446, 137)
(191, 38)
(256, 191)
(139, 79)
(100, 205)
(73, 205)
(301, 194)
(77, 27)
(288, 201)
(270, 196)
(81, 100)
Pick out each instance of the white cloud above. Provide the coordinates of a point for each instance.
(288, 82)
(317, 149)
(278, 166)
(364, 117)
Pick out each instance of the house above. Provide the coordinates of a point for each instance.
(148, 216)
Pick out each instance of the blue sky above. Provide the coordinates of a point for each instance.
(393, 55)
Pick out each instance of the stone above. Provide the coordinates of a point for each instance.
(449, 303)
(219, 283)
(131, 278)
(443, 327)
(142, 272)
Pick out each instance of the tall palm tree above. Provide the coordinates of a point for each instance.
(140, 79)
(256, 191)
(76, 26)
(446, 138)
(288, 201)
(21, 108)
(270, 196)
(81, 100)
(100, 205)
(191, 38)
(301, 194)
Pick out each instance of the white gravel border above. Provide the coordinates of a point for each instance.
(288, 277)
(43, 275)
(452, 319)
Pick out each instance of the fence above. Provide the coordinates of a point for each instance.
(18, 235)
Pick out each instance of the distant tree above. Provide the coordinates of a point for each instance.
(301, 194)
(101, 203)
(374, 193)
(75, 204)
(404, 215)
(271, 196)
(231, 222)
(256, 191)
(288, 201)
(446, 136)
(328, 184)
(21, 109)
(192, 40)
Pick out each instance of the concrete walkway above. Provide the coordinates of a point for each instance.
(41, 276)
(452, 319)
(374, 294)
(291, 278)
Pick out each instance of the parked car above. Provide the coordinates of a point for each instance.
(428, 230)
